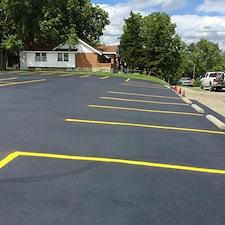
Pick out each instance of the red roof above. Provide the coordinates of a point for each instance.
(108, 48)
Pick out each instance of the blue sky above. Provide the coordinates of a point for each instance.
(195, 19)
(189, 8)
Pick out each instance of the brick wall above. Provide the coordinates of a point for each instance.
(90, 60)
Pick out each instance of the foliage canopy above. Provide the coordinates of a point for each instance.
(49, 21)
(151, 43)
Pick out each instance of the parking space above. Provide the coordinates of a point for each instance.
(102, 150)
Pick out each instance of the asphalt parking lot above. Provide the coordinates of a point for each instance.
(83, 150)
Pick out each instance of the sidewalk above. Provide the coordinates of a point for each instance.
(213, 100)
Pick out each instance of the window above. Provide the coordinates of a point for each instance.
(43, 57)
(213, 75)
(40, 57)
(63, 57)
(66, 57)
(60, 57)
(104, 59)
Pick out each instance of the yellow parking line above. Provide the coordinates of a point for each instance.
(143, 101)
(144, 110)
(143, 86)
(6, 79)
(74, 120)
(66, 75)
(47, 74)
(27, 73)
(103, 78)
(85, 76)
(148, 84)
(143, 95)
(8, 159)
(128, 79)
(12, 156)
(22, 82)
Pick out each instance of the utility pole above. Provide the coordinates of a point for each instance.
(194, 72)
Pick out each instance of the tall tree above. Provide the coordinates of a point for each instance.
(201, 57)
(48, 21)
(206, 56)
(162, 45)
(187, 66)
(131, 42)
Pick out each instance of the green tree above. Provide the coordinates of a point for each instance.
(187, 66)
(12, 44)
(48, 21)
(131, 42)
(206, 56)
(162, 45)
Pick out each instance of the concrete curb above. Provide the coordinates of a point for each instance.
(187, 100)
(168, 86)
(216, 122)
(197, 108)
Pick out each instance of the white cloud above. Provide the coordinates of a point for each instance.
(117, 13)
(193, 27)
(190, 27)
(120, 11)
(212, 6)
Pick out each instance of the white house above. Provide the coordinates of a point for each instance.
(83, 56)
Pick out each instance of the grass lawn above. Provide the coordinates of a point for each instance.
(123, 75)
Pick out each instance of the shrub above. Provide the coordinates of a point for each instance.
(196, 83)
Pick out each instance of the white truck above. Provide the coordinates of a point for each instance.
(213, 81)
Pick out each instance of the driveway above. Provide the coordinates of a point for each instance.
(213, 100)
(84, 150)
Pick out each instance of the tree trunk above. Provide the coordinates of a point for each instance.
(3, 59)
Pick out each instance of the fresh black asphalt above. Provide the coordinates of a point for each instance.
(42, 191)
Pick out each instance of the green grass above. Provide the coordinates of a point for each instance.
(122, 75)
(135, 76)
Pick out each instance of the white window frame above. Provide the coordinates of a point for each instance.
(66, 57)
(60, 57)
(37, 57)
(44, 57)
(40, 57)
(63, 57)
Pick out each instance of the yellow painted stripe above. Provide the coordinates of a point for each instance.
(143, 86)
(6, 79)
(48, 72)
(139, 83)
(22, 82)
(121, 161)
(143, 101)
(8, 159)
(147, 84)
(66, 75)
(27, 73)
(38, 73)
(143, 95)
(84, 76)
(103, 78)
(74, 120)
(144, 110)
(128, 79)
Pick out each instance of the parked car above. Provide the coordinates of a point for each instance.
(213, 81)
(185, 81)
